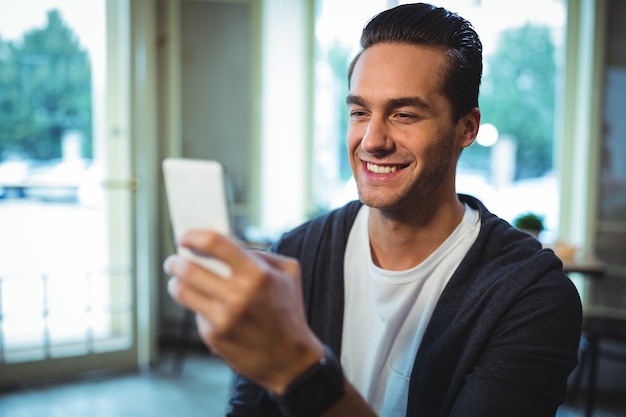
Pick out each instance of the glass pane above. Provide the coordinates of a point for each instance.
(118, 334)
(523, 54)
(613, 186)
(22, 295)
(337, 30)
(24, 338)
(64, 268)
(67, 327)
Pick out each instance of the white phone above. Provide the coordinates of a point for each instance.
(197, 199)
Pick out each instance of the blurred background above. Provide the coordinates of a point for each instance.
(94, 94)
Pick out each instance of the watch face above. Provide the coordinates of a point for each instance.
(315, 390)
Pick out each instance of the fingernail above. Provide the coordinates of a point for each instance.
(172, 286)
(169, 264)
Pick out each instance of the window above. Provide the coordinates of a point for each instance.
(66, 270)
(511, 167)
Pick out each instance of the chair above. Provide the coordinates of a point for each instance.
(184, 341)
(598, 327)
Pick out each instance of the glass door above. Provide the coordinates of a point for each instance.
(67, 282)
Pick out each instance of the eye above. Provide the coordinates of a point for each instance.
(406, 117)
(358, 114)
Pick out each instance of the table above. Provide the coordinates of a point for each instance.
(578, 260)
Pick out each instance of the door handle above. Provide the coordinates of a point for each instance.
(121, 184)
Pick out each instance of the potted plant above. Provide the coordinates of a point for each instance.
(530, 223)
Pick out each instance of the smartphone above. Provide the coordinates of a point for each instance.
(197, 199)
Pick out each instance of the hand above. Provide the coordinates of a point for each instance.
(254, 319)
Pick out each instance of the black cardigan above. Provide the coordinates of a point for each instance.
(502, 339)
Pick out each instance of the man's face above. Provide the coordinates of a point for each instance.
(402, 141)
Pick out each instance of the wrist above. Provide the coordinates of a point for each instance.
(314, 391)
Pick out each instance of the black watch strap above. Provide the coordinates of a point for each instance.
(315, 390)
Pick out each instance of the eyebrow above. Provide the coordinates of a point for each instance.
(391, 103)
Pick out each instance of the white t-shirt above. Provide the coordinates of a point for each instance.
(387, 312)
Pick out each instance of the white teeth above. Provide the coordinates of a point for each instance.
(379, 169)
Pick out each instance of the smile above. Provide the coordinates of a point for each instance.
(380, 169)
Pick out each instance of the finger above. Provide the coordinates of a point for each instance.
(219, 246)
(210, 314)
(197, 301)
(283, 263)
(194, 285)
(193, 275)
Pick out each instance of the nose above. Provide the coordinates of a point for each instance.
(376, 138)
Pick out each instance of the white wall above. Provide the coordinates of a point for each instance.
(285, 112)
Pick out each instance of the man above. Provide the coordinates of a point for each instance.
(432, 305)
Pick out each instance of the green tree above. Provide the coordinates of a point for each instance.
(517, 96)
(10, 109)
(45, 90)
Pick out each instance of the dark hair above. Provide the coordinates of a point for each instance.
(425, 24)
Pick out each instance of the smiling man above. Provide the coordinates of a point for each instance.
(404, 142)
(413, 300)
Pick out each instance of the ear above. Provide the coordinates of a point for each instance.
(468, 127)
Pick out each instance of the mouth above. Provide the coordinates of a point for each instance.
(382, 169)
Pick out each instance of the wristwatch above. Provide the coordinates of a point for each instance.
(314, 391)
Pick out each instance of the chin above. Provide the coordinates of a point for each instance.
(377, 201)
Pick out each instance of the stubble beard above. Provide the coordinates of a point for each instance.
(421, 194)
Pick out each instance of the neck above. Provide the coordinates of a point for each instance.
(400, 241)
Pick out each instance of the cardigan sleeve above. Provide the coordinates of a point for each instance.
(250, 400)
(523, 369)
